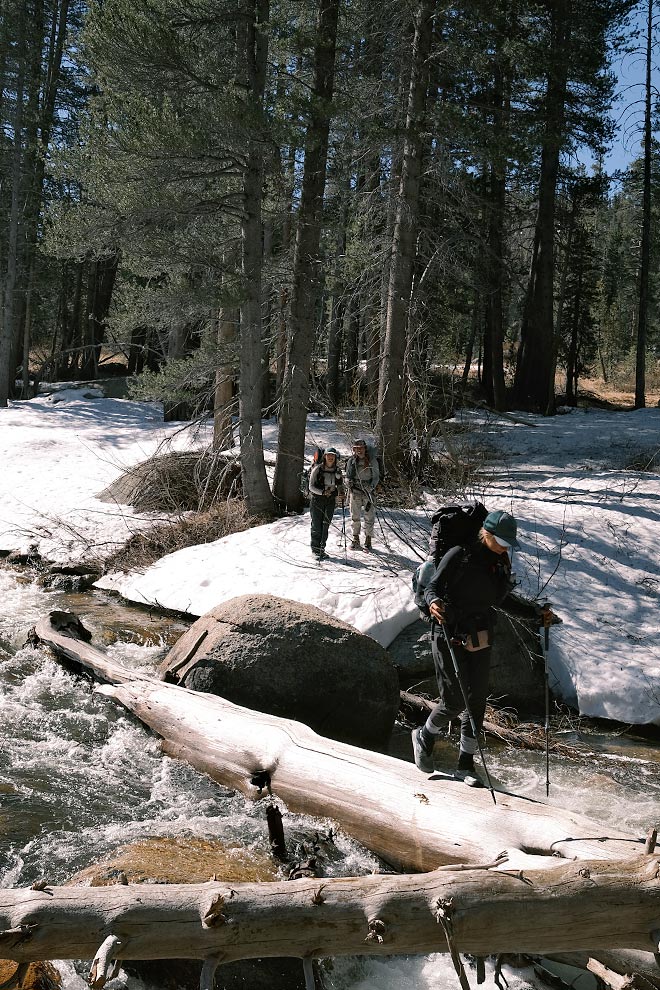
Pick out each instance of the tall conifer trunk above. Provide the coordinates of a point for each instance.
(14, 236)
(645, 249)
(224, 379)
(306, 266)
(251, 351)
(390, 390)
(535, 357)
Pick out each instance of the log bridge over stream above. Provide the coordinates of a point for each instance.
(517, 877)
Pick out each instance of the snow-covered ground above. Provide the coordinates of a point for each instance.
(588, 525)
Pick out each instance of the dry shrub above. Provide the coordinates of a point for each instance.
(644, 460)
(177, 482)
(143, 549)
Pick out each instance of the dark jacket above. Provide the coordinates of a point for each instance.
(471, 581)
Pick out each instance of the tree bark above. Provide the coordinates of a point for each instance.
(492, 909)
(390, 388)
(224, 380)
(14, 236)
(46, 83)
(256, 489)
(306, 267)
(497, 168)
(101, 274)
(335, 337)
(386, 804)
(533, 381)
(645, 247)
(562, 296)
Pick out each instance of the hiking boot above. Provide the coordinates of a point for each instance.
(466, 770)
(367, 543)
(355, 545)
(423, 756)
(465, 762)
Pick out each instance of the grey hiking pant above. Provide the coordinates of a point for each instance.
(474, 669)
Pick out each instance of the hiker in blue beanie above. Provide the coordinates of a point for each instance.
(468, 583)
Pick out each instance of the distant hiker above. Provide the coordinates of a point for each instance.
(363, 476)
(462, 594)
(325, 483)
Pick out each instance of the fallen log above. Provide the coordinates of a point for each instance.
(480, 911)
(520, 738)
(408, 819)
(633, 968)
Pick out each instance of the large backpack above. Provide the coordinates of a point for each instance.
(455, 526)
(317, 456)
(451, 526)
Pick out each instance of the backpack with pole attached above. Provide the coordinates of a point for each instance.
(451, 526)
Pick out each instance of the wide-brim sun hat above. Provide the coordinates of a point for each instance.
(503, 527)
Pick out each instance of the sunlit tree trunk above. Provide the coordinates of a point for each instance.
(251, 351)
(561, 300)
(306, 266)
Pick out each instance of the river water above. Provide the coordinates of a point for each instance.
(80, 777)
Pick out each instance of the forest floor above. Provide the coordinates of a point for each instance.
(613, 395)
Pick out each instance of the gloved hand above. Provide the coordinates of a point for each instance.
(367, 506)
(329, 491)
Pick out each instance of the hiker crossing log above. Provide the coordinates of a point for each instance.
(413, 822)
(486, 910)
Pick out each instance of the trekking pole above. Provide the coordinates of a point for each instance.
(546, 619)
(343, 522)
(467, 709)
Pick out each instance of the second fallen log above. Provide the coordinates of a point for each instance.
(574, 907)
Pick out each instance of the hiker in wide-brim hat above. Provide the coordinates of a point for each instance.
(363, 477)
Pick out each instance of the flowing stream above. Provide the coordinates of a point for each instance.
(80, 777)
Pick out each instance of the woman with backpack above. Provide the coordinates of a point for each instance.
(325, 483)
(468, 583)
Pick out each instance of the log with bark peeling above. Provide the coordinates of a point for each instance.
(408, 819)
(572, 908)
